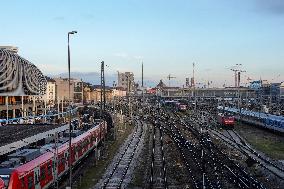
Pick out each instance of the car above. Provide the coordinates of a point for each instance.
(30, 121)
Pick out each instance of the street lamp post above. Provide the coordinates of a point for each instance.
(69, 90)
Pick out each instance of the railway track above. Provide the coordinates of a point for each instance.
(209, 166)
(234, 140)
(116, 177)
(158, 165)
(193, 159)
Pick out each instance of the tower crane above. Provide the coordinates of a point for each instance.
(237, 70)
(169, 78)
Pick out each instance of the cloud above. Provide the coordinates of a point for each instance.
(271, 6)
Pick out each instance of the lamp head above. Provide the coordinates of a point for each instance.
(72, 32)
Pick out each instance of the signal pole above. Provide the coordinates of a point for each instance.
(102, 100)
(55, 153)
(82, 83)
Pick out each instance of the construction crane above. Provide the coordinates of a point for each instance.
(248, 80)
(169, 78)
(272, 80)
(237, 72)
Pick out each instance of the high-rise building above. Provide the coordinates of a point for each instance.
(126, 81)
(78, 90)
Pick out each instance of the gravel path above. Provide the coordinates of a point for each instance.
(120, 172)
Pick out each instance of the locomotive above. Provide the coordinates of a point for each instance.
(181, 107)
(226, 120)
(41, 172)
(176, 105)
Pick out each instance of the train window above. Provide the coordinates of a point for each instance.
(6, 179)
(23, 183)
(49, 169)
(36, 178)
(61, 161)
(42, 173)
(30, 182)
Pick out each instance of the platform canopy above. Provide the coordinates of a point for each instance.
(19, 77)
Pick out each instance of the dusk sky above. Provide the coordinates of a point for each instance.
(166, 35)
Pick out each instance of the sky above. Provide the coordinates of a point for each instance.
(167, 35)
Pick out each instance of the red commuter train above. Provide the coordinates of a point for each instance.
(181, 107)
(2, 184)
(227, 121)
(40, 172)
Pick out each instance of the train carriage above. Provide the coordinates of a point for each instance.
(269, 121)
(40, 172)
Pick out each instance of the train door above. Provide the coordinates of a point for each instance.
(97, 137)
(76, 152)
(66, 159)
(94, 138)
(43, 175)
(37, 178)
(55, 164)
(30, 180)
(60, 164)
